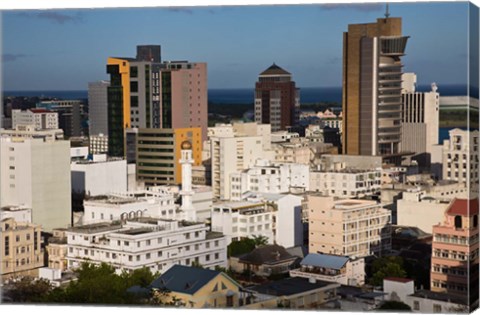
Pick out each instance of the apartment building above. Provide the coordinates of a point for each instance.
(275, 216)
(455, 251)
(40, 118)
(99, 176)
(346, 183)
(129, 205)
(269, 177)
(57, 249)
(20, 250)
(157, 244)
(348, 227)
(460, 158)
(35, 172)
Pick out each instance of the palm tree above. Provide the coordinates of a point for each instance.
(260, 240)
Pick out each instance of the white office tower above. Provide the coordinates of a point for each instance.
(420, 120)
(187, 192)
(35, 173)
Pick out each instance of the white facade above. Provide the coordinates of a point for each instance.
(35, 172)
(243, 219)
(435, 303)
(420, 121)
(99, 178)
(230, 155)
(78, 153)
(283, 136)
(98, 144)
(268, 177)
(18, 213)
(292, 152)
(398, 289)
(112, 207)
(346, 183)
(422, 210)
(460, 158)
(146, 242)
(39, 118)
(275, 216)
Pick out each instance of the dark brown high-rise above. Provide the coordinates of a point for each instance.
(277, 100)
(372, 81)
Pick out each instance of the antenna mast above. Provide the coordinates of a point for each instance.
(387, 14)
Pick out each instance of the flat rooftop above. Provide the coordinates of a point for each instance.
(444, 297)
(96, 227)
(290, 286)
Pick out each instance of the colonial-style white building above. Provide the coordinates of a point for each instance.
(268, 177)
(346, 183)
(146, 242)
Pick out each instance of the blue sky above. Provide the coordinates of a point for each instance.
(66, 49)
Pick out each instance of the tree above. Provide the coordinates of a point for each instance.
(260, 240)
(243, 246)
(395, 306)
(391, 266)
(99, 284)
(28, 290)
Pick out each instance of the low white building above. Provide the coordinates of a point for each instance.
(99, 176)
(420, 210)
(283, 136)
(346, 183)
(424, 301)
(397, 288)
(38, 117)
(128, 205)
(275, 216)
(18, 213)
(78, 153)
(332, 268)
(146, 242)
(268, 177)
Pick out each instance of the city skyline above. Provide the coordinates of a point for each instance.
(241, 47)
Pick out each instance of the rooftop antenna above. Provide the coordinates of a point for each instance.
(387, 14)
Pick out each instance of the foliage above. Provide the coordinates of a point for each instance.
(101, 285)
(395, 305)
(260, 240)
(28, 290)
(196, 264)
(391, 266)
(243, 246)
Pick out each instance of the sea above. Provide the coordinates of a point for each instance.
(308, 95)
(245, 96)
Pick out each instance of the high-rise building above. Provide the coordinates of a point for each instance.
(158, 152)
(372, 78)
(277, 100)
(460, 158)
(97, 108)
(420, 120)
(71, 116)
(147, 93)
(455, 251)
(35, 172)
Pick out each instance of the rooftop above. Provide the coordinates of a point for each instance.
(96, 227)
(324, 261)
(290, 286)
(437, 296)
(398, 279)
(275, 70)
(464, 207)
(267, 254)
(184, 279)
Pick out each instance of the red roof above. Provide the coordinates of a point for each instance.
(39, 110)
(398, 279)
(463, 207)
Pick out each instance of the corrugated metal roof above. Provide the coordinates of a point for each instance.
(324, 261)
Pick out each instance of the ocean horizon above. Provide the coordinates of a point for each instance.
(244, 95)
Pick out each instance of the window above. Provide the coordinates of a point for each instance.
(7, 245)
(437, 308)
(17, 238)
(159, 254)
(148, 242)
(207, 258)
(148, 256)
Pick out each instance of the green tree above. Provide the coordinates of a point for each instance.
(391, 266)
(260, 240)
(28, 290)
(395, 306)
(243, 246)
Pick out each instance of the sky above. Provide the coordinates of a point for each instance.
(66, 49)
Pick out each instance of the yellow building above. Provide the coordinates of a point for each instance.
(194, 287)
(20, 250)
(57, 250)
